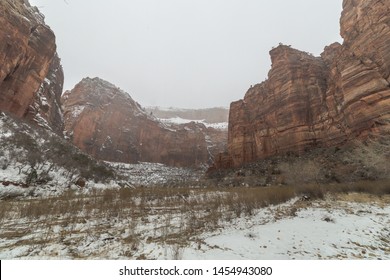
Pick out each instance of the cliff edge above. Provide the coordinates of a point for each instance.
(324, 101)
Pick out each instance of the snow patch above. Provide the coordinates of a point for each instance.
(77, 110)
(178, 120)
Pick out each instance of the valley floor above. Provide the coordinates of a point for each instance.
(330, 229)
(140, 226)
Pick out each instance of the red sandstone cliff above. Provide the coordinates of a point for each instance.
(318, 101)
(107, 123)
(31, 76)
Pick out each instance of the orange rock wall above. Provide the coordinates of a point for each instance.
(106, 123)
(312, 101)
(27, 58)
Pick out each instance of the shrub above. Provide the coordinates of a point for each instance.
(300, 171)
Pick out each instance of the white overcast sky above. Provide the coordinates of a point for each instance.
(184, 53)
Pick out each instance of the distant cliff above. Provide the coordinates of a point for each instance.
(312, 101)
(31, 75)
(107, 123)
(209, 115)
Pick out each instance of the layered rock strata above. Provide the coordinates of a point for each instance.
(107, 123)
(312, 101)
(31, 76)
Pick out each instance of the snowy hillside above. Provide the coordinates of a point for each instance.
(178, 120)
(211, 117)
(35, 161)
(155, 174)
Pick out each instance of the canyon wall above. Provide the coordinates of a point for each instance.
(31, 75)
(310, 101)
(107, 123)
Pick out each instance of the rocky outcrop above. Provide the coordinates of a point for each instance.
(215, 122)
(312, 101)
(107, 123)
(216, 141)
(31, 76)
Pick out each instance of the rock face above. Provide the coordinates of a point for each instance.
(31, 76)
(46, 109)
(312, 101)
(107, 123)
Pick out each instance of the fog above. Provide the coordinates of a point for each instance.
(184, 53)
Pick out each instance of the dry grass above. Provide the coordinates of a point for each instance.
(174, 216)
(141, 201)
(376, 188)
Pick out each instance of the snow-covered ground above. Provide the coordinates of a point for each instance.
(149, 174)
(326, 230)
(131, 218)
(178, 120)
(334, 228)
